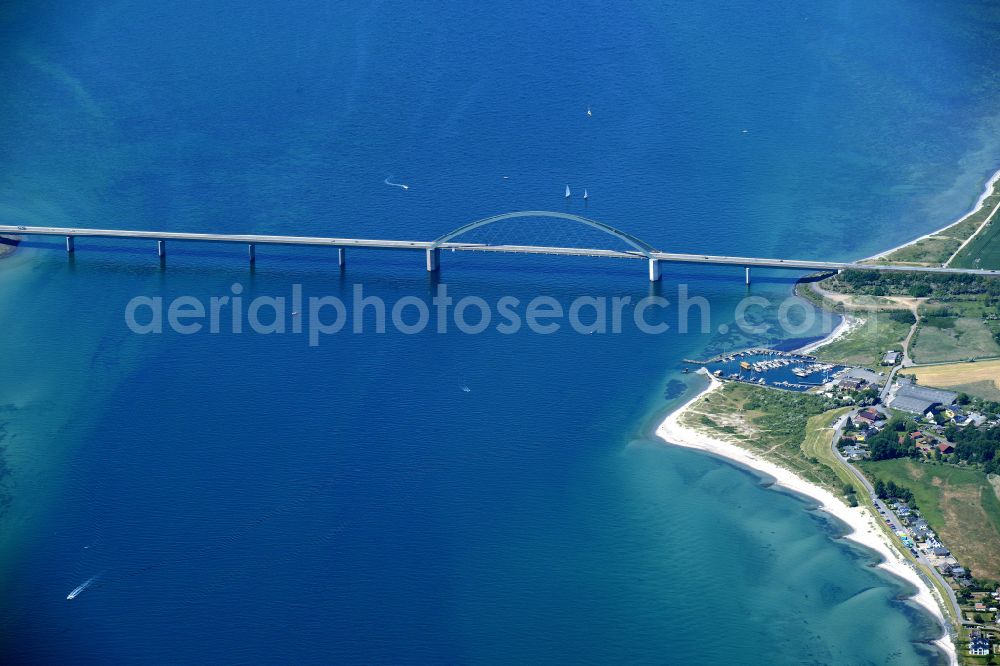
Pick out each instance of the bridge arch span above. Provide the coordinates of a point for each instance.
(640, 246)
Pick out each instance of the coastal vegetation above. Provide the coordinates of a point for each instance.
(920, 285)
(792, 429)
(931, 251)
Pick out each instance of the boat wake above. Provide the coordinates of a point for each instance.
(389, 182)
(76, 591)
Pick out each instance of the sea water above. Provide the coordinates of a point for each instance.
(429, 498)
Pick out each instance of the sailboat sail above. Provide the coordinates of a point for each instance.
(567, 192)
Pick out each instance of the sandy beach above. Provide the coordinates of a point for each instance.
(860, 520)
(846, 325)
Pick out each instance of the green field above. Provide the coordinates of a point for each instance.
(866, 344)
(952, 339)
(983, 251)
(959, 504)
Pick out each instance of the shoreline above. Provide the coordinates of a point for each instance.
(987, 191)
(847, 325)
(863, 529)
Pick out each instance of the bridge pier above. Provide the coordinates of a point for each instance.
(70, 244)
(654, 270)
(252, 252)
(341, 257)
(748, 274)
(433, 259)
(161, 248)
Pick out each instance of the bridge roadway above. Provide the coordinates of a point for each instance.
(433, 248)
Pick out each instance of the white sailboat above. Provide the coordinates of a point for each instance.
(567, 192)
(589, 113)
(585, 195)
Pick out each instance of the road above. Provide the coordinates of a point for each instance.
(886, 515)
(264, 239)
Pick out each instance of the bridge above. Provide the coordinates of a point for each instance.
(569, 227)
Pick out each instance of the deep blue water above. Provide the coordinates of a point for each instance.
(252, 499)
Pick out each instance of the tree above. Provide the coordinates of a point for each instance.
(903, 316)
(963, 399)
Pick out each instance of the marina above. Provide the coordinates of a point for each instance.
(770, 367)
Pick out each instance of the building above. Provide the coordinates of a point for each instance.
(979, 646)
(855, 452)
(851, 384)
(865, 374)
(912, 405)
(891, 358)
(870, 416)
(945, 448)
(908, 397)
(976, 419)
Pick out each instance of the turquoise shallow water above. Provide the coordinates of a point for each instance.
(247, 498)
